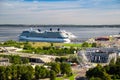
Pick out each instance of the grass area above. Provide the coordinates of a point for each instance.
(44, 44)
(39, 44)
(69, 78)
(76, 45)
(72, 45)
(72, 77)
(59, 78)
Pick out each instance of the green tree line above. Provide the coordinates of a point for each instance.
(48, 50)
(16, 59)
(108, 72)
(51, 50)
(27, 72)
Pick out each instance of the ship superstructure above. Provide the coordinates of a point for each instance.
(46, 36)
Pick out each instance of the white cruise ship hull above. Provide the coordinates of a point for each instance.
(39, 39)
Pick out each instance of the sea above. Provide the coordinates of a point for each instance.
(82, 33)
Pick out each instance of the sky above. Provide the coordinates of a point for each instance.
(75, 12)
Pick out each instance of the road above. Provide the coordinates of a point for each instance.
(81, 74)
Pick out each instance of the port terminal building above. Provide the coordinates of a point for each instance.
(98, 55)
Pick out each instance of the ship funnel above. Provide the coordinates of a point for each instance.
(58, 29)
(39, 30)
(50, 29)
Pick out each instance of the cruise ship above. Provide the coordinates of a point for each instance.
(46, 36)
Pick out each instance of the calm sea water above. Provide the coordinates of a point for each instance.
(82, 33)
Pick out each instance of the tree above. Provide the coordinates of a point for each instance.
(106, 76)
(27, 75)
(26, 72)
(37, 76)
(10, 43)
(75, 59)
(30, 72)
(66, 69)
(85, 44)
(20, 69)
(107, 68)
(52, 75)
(8, 73)
(51, 44)
(95, 78)
(118, 61)
(55, 67)
(112, 61)
(25, 60)
(41, 72)
(114, 70)
(15, 59)
(27, 46)
(14, 72)
(62, 59)
(2, 73)
(94, 45)
(96, 72)
(99, 72)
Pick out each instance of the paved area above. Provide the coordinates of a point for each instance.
(81, 74)
(80, 71)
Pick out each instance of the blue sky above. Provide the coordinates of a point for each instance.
(80, 12)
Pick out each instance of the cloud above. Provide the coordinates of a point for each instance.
(60, 12)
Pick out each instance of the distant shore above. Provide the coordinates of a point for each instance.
(61, 25)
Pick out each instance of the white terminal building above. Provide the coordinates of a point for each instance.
(98, 55)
